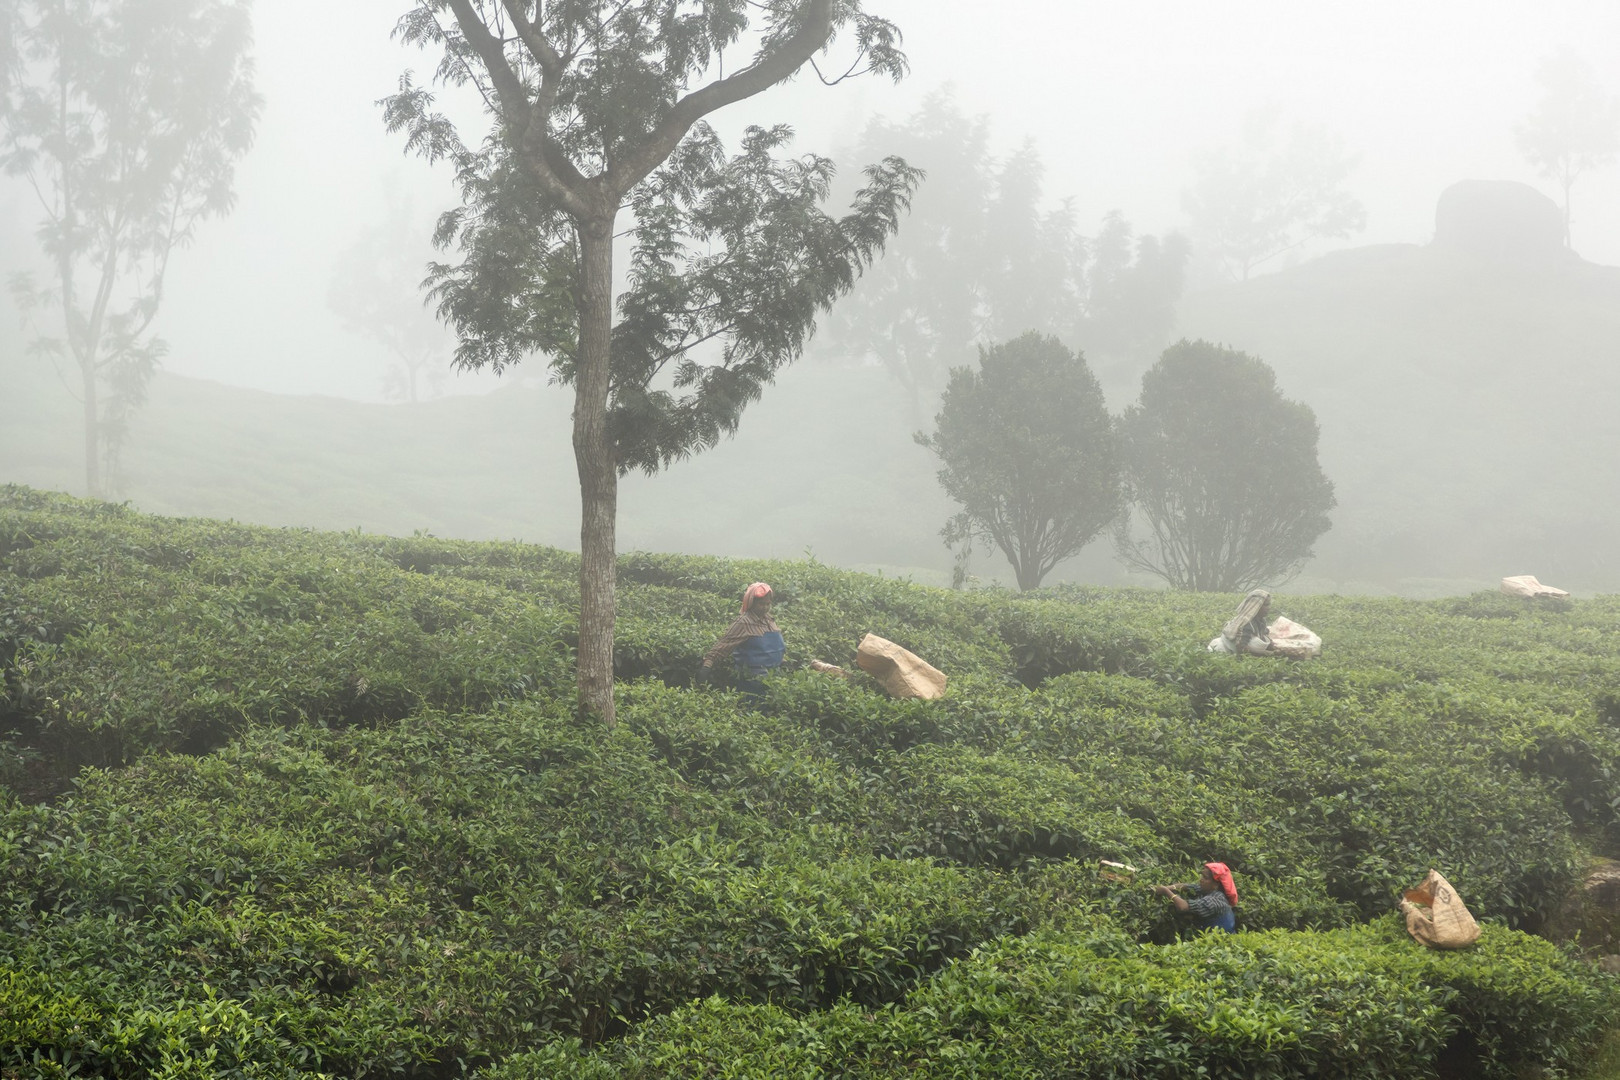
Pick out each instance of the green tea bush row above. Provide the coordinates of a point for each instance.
(1357, 1003)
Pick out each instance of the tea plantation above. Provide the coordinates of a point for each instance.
(294, 804)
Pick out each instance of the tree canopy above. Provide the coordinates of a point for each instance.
(127, 118)
(1028, 450)
(983, 257)
(1222, 471)
(598, 109)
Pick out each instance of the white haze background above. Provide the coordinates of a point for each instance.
(1117, 98)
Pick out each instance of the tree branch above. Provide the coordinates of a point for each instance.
(509, 88)
(767, 71)
(527, 119)
(536, 42)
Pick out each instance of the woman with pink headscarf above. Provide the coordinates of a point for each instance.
(1216, 899)
(753, 640)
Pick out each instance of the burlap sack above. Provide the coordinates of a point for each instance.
(1436, 916)
(1294, 641)
(903, 674)
(1527, 586)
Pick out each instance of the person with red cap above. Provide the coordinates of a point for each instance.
(1216, 899)
(753, 640)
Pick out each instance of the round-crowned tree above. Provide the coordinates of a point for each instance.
(1222, 472)
(1029, 452)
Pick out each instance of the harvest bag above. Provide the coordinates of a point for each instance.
(1435, 915)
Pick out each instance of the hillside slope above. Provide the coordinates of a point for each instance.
(823, 463)
(1466, 409)
(297, 804)
(1467, 406)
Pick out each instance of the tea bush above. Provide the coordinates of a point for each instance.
(285, 803)
(1357, 1003)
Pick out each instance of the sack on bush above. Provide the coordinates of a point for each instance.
(902, 673)
(1436, 915)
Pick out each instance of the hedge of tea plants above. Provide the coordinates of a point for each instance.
(285, 803)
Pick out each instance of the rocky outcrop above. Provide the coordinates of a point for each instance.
(1591, 915)
(1499, 219)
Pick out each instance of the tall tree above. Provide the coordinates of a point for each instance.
(376, 292)
(1131, 289)
(1574, 128)
(918, 311)
(1028, 451)
(598, 108)
(1222, 469)
(983, 257)
(127, 118)
(1267, 195)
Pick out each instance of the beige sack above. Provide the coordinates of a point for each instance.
(1436, 916)
(1294, 641)
(1527, 586)
(903, 674)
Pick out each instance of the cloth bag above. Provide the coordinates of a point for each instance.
(1436, 915)
(902, 673)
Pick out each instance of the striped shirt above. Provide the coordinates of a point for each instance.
(1213, 910)
(743, 627)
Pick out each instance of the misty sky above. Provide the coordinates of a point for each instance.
(1117, 98)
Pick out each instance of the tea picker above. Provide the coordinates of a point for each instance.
(1247, 632)
(753, 641)
(1215, 901)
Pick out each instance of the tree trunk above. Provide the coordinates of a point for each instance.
(598, 472)
(92, 441)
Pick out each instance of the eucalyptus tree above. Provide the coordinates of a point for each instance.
(1028, 451)
(127, 119)
(1222, 470)
(597, 111)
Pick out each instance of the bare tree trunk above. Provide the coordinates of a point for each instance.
(598, 473)
(92, 442)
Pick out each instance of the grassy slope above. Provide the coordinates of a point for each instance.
(825, 463)
(349, 814)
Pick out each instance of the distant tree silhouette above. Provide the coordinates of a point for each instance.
(1222, 471)
(376, 291)
(1268, 195)
(983, 257)
(1574, 128)
(1029, 452)
(127, 118)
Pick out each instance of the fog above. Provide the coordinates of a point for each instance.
(1116, 97)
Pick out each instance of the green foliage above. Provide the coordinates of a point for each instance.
(729, 250)
(274, 872)
(1029, 453)
(1358, 1003)
(1222, 468)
